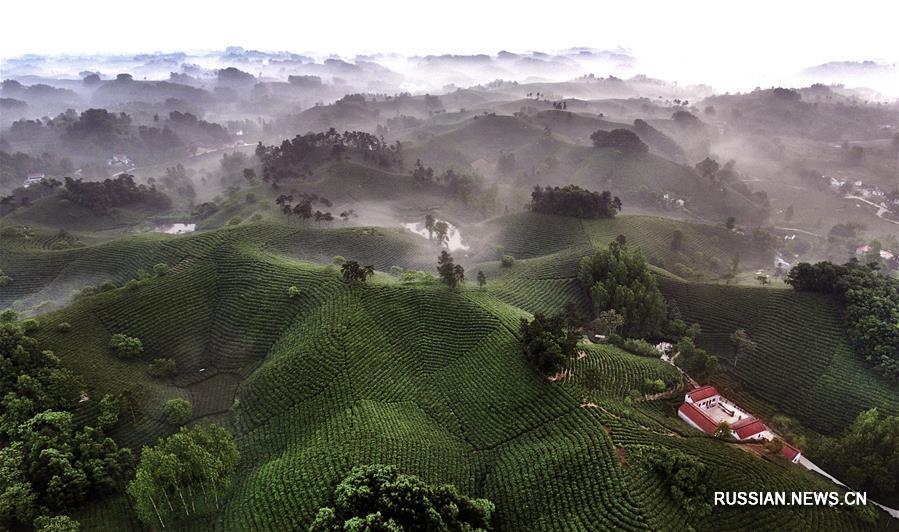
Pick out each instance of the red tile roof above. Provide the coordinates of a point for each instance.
(703, 392)
(789, 451)
(696, 415)
(747, 427)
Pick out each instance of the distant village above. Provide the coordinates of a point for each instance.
(886, 203)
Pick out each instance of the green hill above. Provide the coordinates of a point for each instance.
(414, 375)
(55, 211)
(418, 376)
(642, 179)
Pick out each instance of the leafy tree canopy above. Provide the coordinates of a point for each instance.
(378, 497)
(619, 279)
(623, 140)
(575, 201)
(548, 342)
(871, 307)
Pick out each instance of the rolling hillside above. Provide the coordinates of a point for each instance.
(548, 160)
(416, 376)
(409, 374)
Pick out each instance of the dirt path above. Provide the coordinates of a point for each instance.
(880, 209)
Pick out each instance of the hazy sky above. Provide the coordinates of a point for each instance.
(761, 37)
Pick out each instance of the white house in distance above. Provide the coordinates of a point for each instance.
(33, 179)
(705, 409)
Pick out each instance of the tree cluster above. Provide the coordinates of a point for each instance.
(871, 308)
(619, 279)
(625, 141)
(126, 347)
(353, 272)
(304, 210)
(293, 158)
(450, 273)
(698, 362)
(173, 474)
(47, 466)
(865, 455)
(572, 200)
(377, 497)
(686, 477)
(547, 342)
(468, 189)
(101, 196)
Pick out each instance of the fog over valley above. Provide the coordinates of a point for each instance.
(467, 267)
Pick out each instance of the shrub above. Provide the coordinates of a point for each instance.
(30, 325)
(162, 367)
(640, 347)
(415, 276)
(293, 291)
(177, 411)
(107, 286)
(8, 316)
(56, 523)
(161, 269)
(686, 477)
(110, 407)
(64, 327)
(507, 261)
(651, 386)
(125, 346)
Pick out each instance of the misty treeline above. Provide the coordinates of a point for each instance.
(97, 134)
(101, 196)
(572, 200)
(870, 304)
(303, 209)
(295, 158)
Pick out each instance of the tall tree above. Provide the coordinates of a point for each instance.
(441, 229)
(741, 343)
(429, 225)
(450, 273)
(175, 471)
(353, 272)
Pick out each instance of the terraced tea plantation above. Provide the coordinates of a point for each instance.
(317, 380)
(802, 363)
